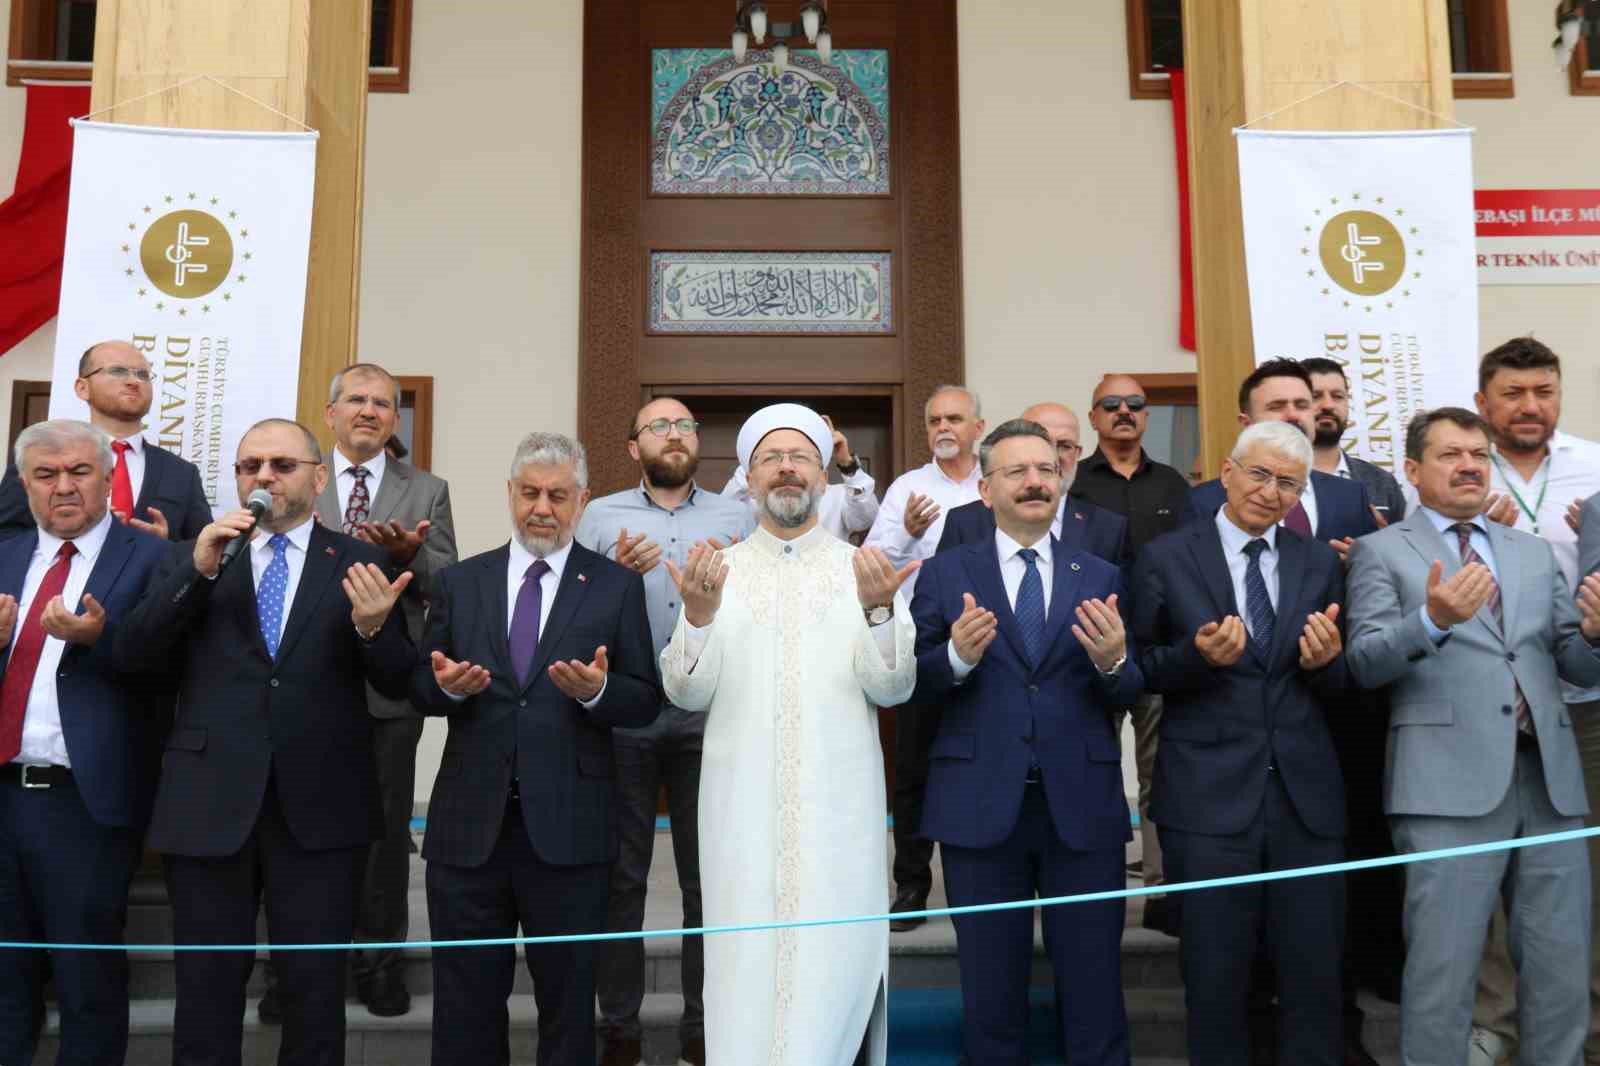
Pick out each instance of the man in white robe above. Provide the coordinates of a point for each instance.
(789, 641)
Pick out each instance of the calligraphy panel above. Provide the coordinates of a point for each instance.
(721, 126)
(770, 292)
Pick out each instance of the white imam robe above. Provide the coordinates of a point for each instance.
(792, 802)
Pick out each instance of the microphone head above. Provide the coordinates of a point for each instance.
(260, 502)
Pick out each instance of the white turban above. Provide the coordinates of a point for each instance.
(784, 416)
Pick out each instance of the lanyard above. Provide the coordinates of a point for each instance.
(1544, 486)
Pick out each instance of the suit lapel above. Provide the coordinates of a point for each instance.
(328, 504)
(569, 595)
(321, 569)
(1507, 561)
(14, 568)
(391, 490)
(1206, 546)
(1325, 516)
(1286, 629)
(114, 555)
(983, 566)
(1065, 575)
(1074, 530)
(154, 468)
(496, 608)
(239, 583)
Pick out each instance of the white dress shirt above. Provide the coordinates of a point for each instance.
(135, 454)
(294, 556)
(344, 481)
(43, 742)
(889, 530)
(1012, 570)
(1234, 540)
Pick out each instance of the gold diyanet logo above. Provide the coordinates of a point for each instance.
(1369, 257)
(186, 253)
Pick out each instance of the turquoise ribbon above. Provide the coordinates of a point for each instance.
(759, 927)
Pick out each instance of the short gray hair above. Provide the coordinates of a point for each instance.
(1284, 438)
(940, 390)
(60, 433)
(363, 370)
(552, 449)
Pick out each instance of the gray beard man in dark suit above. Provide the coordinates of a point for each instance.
(151, 489)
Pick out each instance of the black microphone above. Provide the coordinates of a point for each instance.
(259, 503)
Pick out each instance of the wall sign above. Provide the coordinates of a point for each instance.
(770, 292)
(1538, 236)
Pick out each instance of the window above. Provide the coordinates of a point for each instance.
(53, 40)
(1585, 68)
(1480, 48)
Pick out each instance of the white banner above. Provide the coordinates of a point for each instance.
(1360, 247)
(192, 245)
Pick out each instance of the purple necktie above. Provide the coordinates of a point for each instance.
(524, 638)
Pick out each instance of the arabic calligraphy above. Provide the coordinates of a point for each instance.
(741, 292)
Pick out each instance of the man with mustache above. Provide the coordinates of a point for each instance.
(1537, 473)
(151, 489)
(1020, 642)
(847, 508)
(657, 521)
(1120, 477)
(1473, 628)
(907, 530)
(535, 651)
(788, 642)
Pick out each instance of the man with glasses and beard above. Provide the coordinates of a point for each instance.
(657, 520)
(788, 642)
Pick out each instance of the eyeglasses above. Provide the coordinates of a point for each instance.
(280, 465)
(122, 373)
(800, 458)
(662, 426)
(1111, 403)
(1067, 447)
(1046, 471)
(1286, 486)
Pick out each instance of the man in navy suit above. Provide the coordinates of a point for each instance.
(1336, 510)
(534, 651)
(1078, 524)
(1236, 625)
(151, 489)
(1019, 640)
(74, 789)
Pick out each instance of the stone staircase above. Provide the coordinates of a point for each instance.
(924, 1001)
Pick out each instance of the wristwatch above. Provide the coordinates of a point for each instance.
(876, 616)
(847, 469)
(1116, 667)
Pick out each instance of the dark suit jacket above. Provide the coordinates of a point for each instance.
(171, 485)
(1084, 527)
(1343, 506)
(408, 496)
(243, 718)
(1222, 728)
(559, 752)
(1382, 487)
(110, 718)
(1011, 711)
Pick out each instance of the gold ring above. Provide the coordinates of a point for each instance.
(705, 586)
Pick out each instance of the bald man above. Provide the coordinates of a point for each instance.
(151, 489)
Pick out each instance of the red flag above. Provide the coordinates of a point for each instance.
(33, 221)
(1180, 136)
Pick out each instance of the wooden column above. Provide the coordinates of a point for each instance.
(1245, 59)
(307, 59)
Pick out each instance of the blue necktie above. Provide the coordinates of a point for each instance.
(269, 596)
(1030, 605)
(524, 635)
(1257, 602)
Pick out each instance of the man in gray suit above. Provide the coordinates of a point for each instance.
(406, 511)
(1473, 627)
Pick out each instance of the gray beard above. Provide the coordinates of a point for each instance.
(790, 512)
(538, 547)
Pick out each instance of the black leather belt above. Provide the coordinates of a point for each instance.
(36, 776)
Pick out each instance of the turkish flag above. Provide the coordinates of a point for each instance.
(33, 221)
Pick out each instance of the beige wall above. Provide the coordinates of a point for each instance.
(470, 263)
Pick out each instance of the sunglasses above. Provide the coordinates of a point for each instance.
(280, 465)
(1111, 403)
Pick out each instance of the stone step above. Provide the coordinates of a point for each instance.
(924, 1028)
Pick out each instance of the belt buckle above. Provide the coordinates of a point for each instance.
(32, 784)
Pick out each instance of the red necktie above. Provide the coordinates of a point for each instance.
(1298, 520)
(18, 681)
(121, 483)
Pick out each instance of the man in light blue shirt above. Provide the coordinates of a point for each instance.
(658, 520)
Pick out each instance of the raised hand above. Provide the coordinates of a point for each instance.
(208, 547)
(1589, 605)
(578, 679)
(1500, 507)
(157, 524)
(876, 578)
(8, 619)
(841, 445)
(1343, 548)
(974, 631)
(700, 584)
(1099, 629)
(637, 553)
(401, 543)
(920, 513)
(1575, 516)
(1455, 601)
(1377, 516)
(63, 624)
(458, 679)
(1320, 642)
(1222, 643)
(372, 594)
